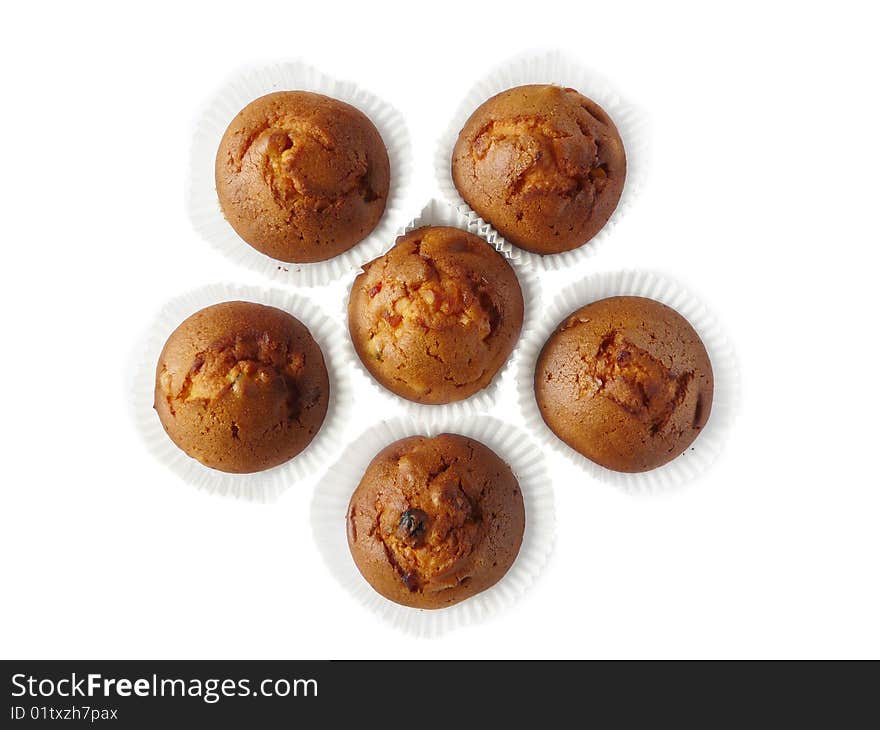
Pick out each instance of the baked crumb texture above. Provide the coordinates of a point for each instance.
(302, 177)
(543, 164)
(241, 387)
(626, 382)
(435, 520)
(435, 318)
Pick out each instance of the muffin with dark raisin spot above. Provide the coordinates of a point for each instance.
(435, 521)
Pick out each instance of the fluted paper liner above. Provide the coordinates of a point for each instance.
(260, 486)
(439, 213)
(202, 202)
(708, 445)
(521, 453)
(552, 68)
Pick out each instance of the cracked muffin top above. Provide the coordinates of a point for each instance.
(625, 381)
(435, 520)
(543, 164)
(302, 177)
(241, 387)
(436, 317)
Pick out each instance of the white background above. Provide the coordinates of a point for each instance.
(762, 197)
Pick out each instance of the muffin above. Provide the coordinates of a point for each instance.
(544, 165)
(435, 318)
(241, 387)
(625, 381)
(302, 177)
(435, 520)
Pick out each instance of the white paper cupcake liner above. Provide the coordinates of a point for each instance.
(553, 68)
(332, 495)
(261, 486)
(202, 203)
(438, 213)
(708, 444)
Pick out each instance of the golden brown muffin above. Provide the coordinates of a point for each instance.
(544, 165)
(302, 177)
(625, 381)
(241, 387)
(435, 520)
(435, 318)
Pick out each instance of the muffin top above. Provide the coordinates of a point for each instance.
(241, 387)
(302, 177)
(435, 520)
(543, 164)
(625, 381)
(436, 317)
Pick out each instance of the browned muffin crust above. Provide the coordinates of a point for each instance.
(543, 164)
(435, 318)
(302, 177)
(625, 381)
(435, 520)
(241, 387)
